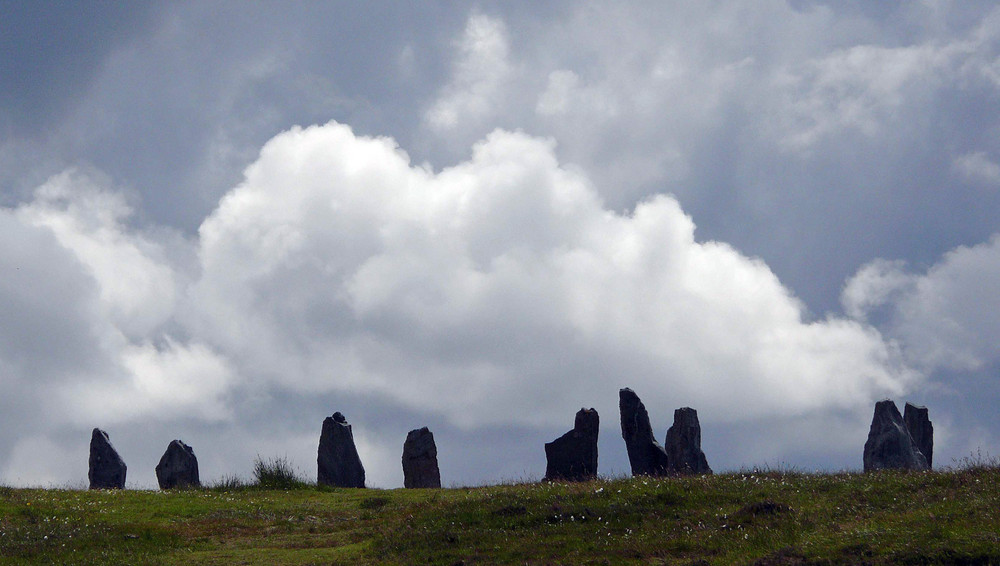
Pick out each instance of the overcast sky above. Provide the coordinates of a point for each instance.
(223, 221)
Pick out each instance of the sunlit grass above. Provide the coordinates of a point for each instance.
(772, 516)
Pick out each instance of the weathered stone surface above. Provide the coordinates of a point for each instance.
(338, 460)
(645, 454)
(683, 445)
(178, 467)
(420, 460)
(918, 424)
(889, 444)
(573, 456)
(107, 469)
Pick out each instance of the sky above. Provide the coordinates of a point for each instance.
(223, 221)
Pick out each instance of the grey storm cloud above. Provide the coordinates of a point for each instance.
(224, 223)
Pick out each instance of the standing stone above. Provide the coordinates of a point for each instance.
(573, 456)
(107, 469)
(178, 467)
(889, 444)
(918, 424)
(683, 444)
(645, 454)
(420, 460)
(339, 463)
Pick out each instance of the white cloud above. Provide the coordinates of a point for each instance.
(138, 288)
(860, 89)
(874, 285)
(480, 72)
(942, 318)
(124, 286)
(503, 282)
(155, 383)
(978, 167)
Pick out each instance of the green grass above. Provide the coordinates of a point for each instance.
(751, 517)
(276, 473)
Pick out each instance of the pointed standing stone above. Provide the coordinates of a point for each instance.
(338, 461)
(889, 444)
(918, 424)
(683, 444)
(420, 460)
(573, 456)
(107, 469)
(178, 467)
(645, 454)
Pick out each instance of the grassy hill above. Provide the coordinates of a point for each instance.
(742, 518)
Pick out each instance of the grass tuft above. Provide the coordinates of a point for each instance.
(276, 473)
(229, 483)
(976, 462)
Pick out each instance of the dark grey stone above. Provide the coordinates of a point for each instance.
(683, 445)
(178, 467)
(338, 460)
(573, 456)
(107, 469)
(645, 454)
(420, 460)
(918, 424)
(889, 444)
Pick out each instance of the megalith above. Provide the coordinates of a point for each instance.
(178, 467)
(918, 424)
(338, 461)
(645, 454)
(420, 460)
(889, 444)
(683, 445)
(573, 456)
(107, 469)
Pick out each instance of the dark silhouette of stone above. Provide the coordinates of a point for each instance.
(420, 460)
(107, 469)
(918, 424)
(683, 445)
(338, 460)
(645, 454)
(573, 456)
(889, 444)
(178, 467)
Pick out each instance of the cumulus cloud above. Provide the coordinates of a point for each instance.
(339, 266)
(497, 292)
(88, 300)
(940, 317)
(830, 125)
(138, 288)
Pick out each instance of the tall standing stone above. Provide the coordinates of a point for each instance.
(178, 467)
(338, 460)
(107, 469)
(573, 456)
(889, 444)
(645, 454)
(683, 444)
(918, 424)
(420, 460)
